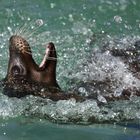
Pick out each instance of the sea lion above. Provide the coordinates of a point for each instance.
(21, 63)
(25, 77)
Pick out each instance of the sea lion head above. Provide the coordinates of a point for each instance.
(23, 73)
(21, 62)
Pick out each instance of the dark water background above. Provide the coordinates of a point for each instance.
(76, 27)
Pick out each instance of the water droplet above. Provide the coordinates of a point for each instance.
(84, 7)
(52, 5)
(42, 90)
(10, 30)
(101, 99)
(103, 32)
(118, 92)
(64, 23)
(71, 17)
(83, 91)
(28, 19)
(39, 22)
(118, 19)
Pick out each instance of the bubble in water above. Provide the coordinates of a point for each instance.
(10, 30)
(4, 133)
(128, 27)
(64, 23)
(103, 32)
(84, 7)
(28, 18)
(52, 5)
(118, 19)
(83, 91)
(81, 28)
(101, 99)
(9, 13)
(39, 22)
(118, 92)
(71, 17)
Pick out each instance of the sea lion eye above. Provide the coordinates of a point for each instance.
(16, 70)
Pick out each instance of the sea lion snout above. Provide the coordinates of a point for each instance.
(18, 43)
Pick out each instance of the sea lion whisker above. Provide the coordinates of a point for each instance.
(34, 31)
(23, 29)
(26, 28)
(20, 29)
(18, 32)
(22, 48)
(33, 27)
(25, 51)
(26, 32)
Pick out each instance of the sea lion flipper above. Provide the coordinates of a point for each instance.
(50, 55)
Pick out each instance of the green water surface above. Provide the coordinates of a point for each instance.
(71, 24)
